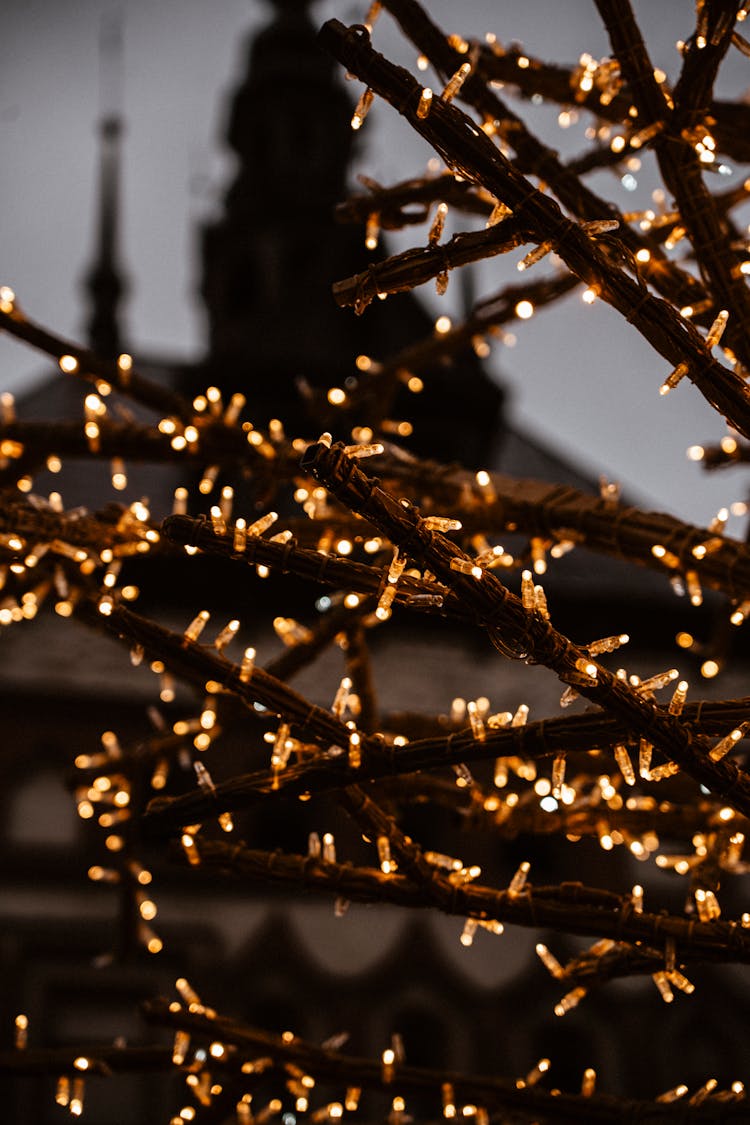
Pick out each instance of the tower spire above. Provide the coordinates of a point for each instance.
(104, 281)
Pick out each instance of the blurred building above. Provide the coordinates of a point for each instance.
(274, 332)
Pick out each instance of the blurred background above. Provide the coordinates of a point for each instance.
(578, 382)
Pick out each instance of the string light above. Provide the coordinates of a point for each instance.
(456, 82)
(438, 224)
(716, 330)
(425, 103)
(363, 107)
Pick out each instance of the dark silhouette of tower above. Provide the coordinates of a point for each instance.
(271, 259)
(269, 262)
(104, 281)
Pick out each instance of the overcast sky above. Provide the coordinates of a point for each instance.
(578, 376)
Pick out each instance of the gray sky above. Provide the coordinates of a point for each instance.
(578, 376)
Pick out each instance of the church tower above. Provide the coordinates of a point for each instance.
(270, 261)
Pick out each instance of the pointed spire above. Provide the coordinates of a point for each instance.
(104, 280)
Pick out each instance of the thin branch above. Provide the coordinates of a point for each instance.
(198, 664)
(373, 820)
(408, 203)
(482, 810)
(376, 390)
(92, 368)
(101, 1060)
(215, 444)
(723, 455)
(404, 271)
(567, 908)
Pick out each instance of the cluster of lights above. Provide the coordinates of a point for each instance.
(109, 790)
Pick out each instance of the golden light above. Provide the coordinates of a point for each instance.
(68, 364)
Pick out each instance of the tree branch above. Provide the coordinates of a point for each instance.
(472, 154)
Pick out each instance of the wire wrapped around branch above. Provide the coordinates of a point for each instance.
(329, 570)
(520, 632)
(408, 202)
(536, 741)
(566, 908)
(535, 508)
(532, 507)
(560, 511)
(404, 271)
